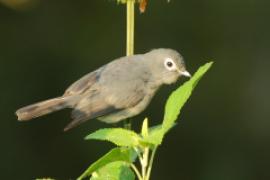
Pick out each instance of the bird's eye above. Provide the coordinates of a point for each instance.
(169, 64)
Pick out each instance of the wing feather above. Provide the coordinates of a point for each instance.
(85, 83)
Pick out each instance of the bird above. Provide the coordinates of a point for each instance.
(121, 89)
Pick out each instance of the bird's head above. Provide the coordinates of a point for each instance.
(166, 65)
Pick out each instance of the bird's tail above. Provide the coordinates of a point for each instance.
(45, 107)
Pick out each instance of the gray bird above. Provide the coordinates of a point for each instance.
(116, 91)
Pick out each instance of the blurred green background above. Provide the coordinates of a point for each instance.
(224, 129)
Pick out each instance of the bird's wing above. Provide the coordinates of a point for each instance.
(85, 83)
(103, 102)
(90, 108)
(90, 111)
(121, 85)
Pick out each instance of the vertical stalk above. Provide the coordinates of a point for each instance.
(144, 163)
(130, 39)
(130, 27)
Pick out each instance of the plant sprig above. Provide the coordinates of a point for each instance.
(142, 146)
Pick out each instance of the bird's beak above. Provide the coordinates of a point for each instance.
(185, 73)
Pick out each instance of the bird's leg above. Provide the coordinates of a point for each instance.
(127, 123)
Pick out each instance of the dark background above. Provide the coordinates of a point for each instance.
(224, 129)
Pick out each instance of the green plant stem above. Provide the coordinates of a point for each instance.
(150, 164)
(130, 39)
(130, 27)
(136, 171)
(138, 153)
(144, 162)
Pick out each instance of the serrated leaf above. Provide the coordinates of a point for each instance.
(144, 130)
(118, 136)
(179, 97)
(127, 155)
(114, 171)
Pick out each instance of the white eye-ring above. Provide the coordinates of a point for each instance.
(169, 64)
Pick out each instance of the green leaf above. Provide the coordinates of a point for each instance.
(114, 171)
(155, 136)
(123, 154)
(118, 136)
(179, 97)
(144, 130)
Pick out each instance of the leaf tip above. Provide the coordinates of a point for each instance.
(144, 130)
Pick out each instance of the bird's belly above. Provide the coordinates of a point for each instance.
(127, 113)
